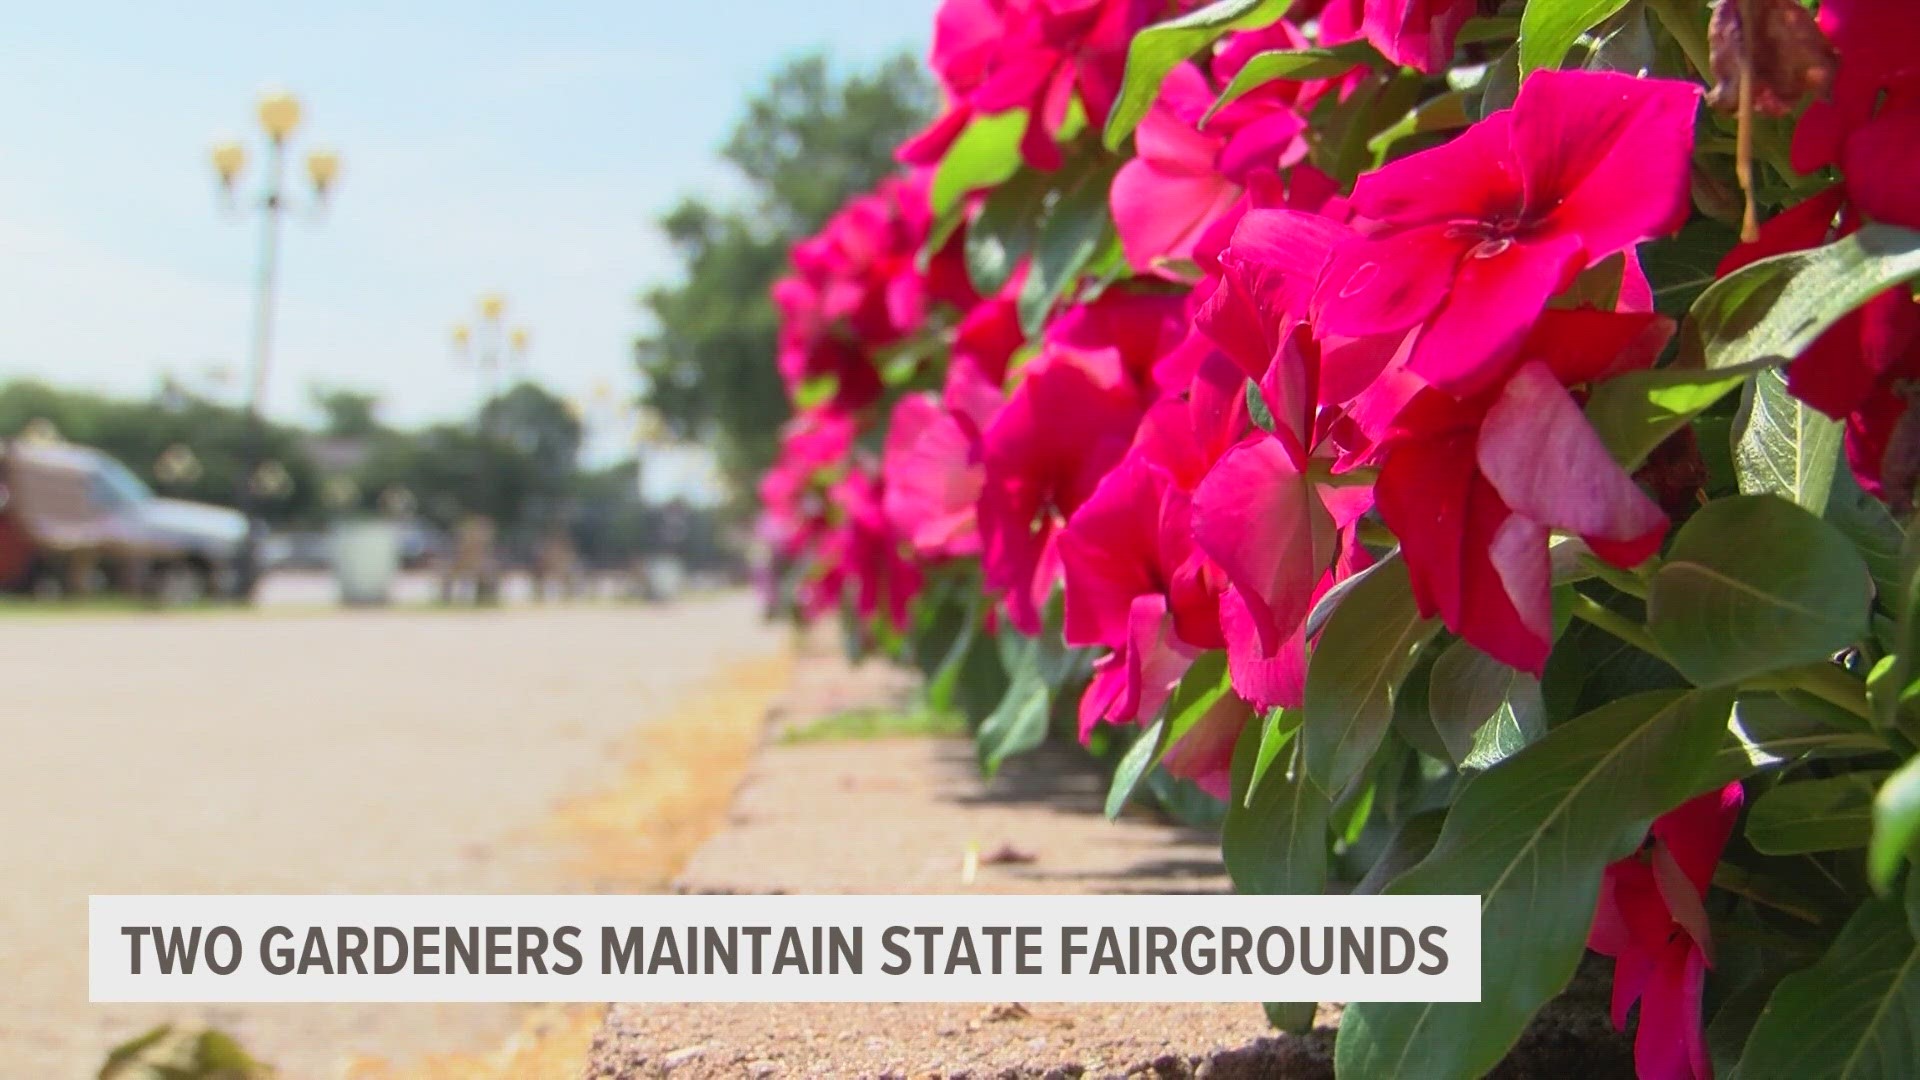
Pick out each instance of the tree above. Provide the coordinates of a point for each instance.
(350, 414)
(806, 142)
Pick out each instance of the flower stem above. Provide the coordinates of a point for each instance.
(1625, 580)
(1588, 609)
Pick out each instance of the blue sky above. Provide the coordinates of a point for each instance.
(525, 148)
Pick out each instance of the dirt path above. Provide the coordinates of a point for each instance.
(376, 752)
(912, 815)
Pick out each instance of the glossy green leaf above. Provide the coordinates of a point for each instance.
(1159, 48)
(1201, 689)
(1548, 28)
(1781, 446)
(1411, 844)
(1019, 724)
(1754, 584)
(1773, 309)
(1134, 766)
(1073, 228)
(1854, 1015)
(1767, 732)
(1005, 231)
(1257, 411)
(1896, 824)
(1298, 65)
(1367, 648)
(1867, 522)
(1635, 412)
(1531, 836)
(1277, 730)
(1444, 112)
(986, 154)
(1275, 836)
(1833, 813)
(1483, 710)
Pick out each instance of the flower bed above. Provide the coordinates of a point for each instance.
(1473, 449)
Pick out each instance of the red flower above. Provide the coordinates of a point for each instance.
(1469, 240)
(1067, 422)
(1472, 488)
(1650, 919)
(1185, 178)
(933, 477)
(1136, 585)
(1863, 368)
(1039, 55)
(1416, 33)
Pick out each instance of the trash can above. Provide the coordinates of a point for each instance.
(366, 559)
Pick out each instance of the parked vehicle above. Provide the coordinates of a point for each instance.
(73, 519)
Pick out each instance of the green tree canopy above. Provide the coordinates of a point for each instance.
(806, 142)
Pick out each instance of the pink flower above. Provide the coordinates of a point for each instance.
(1066, 423)
(1416, 33)
(1469, 240)
(933, 477)
(793, 508)
(1651, 920)
(858, 559)
(1177, 197)
(1136, 585)
(1862, 368)
(1878, 69)
(1039, 55)
(1472, 488)
(1136, 328)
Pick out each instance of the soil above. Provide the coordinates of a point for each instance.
(914, 816)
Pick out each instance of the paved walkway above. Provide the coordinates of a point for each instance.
(366, 752)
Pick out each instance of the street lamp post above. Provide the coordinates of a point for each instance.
(279, 115)
(489, 348)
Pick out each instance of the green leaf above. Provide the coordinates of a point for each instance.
(1548, 28)
(1006, 230)
(1019, 724)
(1293, 1017)
(1830, 814)
(1297, 65)
(1483, 710)
(1767, 732)
(1257, 410)
(1071, 232)
(1531, 836)
(1275, 836)
(1367, 648)
(1773, 309)
(1203, 687)
(1896, 824)
(1444, 112)
(1854, 1015)
(1134, 766)
(1158, 49)
(1410, 845)
(1867, 522)
(1277, 729)
(1781, 446)
(1635, 412)
(1754, 584)
(985, 155)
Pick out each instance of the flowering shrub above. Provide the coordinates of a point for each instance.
(1468, 445)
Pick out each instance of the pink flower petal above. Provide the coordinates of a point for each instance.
(1538, 451)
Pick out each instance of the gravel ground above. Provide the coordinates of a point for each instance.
(349, 752)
